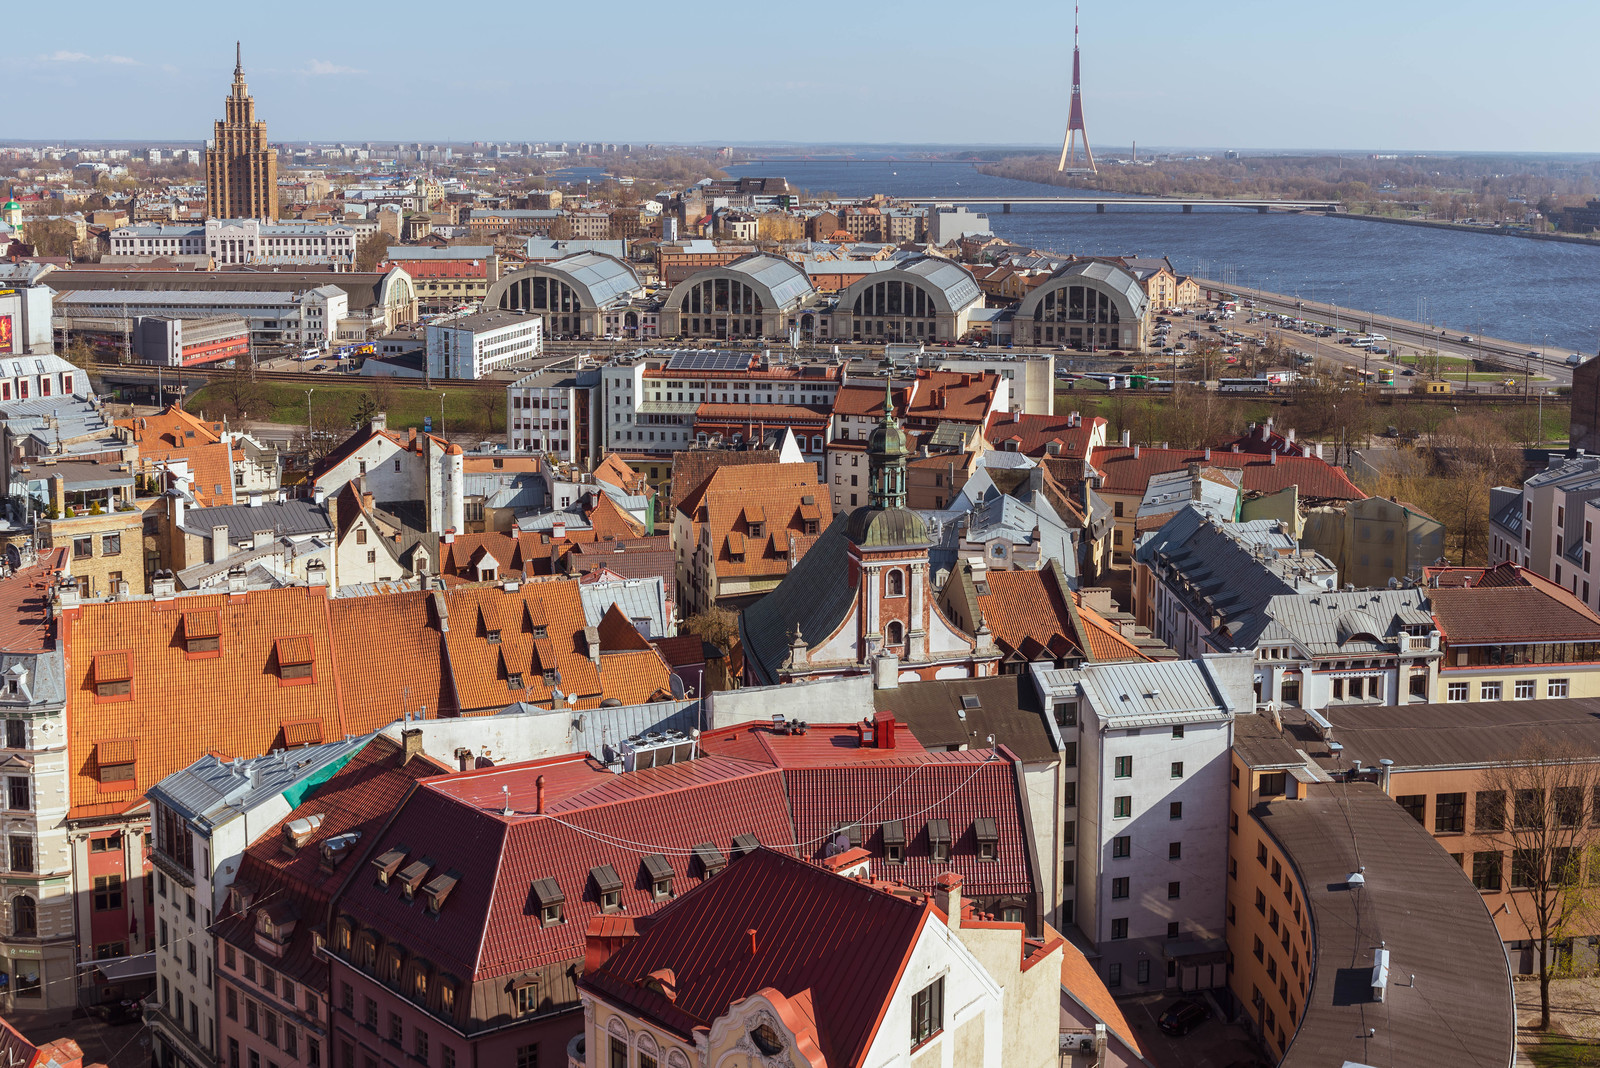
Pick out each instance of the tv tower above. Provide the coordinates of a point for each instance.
(1069, 149)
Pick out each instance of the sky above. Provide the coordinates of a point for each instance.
(1395, 75)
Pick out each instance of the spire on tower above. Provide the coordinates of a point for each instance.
(238, 60)
(1069, 148)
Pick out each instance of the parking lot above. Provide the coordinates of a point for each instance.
(1214, 1044)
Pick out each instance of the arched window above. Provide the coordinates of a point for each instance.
(895, 633)
(896, 584)
(24, 917)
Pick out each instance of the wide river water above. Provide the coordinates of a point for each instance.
(1507, 287)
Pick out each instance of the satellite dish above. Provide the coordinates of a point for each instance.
(572, 699)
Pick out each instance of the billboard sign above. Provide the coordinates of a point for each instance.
(5, 333)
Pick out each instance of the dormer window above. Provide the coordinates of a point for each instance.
(548, 897)
(493, 637)
(296, 658)
(758, 530)
(113, 676)
(438, 888)
(711, 859)
(411, 877)
(659, 873)
(388, 863)
(894, 842)
(202, 633)
(939, 840)
(551, 677)
(608, 884)
(540, 631)
(514, 680)
(987, 833)
(116, 758)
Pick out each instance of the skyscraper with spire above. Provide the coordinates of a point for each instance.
(241, 171)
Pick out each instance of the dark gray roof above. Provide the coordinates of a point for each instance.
(1006, 706)
(1419, 903)
(1457, 734)
(816, 596)
(1259, 744)
(292, 518)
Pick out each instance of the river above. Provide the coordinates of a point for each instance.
(1469, 283)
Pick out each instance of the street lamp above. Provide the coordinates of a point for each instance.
(442, 396)
(309, 439)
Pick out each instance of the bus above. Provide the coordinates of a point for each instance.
(1386, 376)
(1259, 384)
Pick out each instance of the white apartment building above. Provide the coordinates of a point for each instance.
(1149, 818)
(310, 317)
(474, 345)
(202, 819)
(1548, 526)
(651, 401)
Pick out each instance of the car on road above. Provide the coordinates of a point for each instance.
(1466, 339)
(1183, 1016)
(1532, 354)
(1575, 359)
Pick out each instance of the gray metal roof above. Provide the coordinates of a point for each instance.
(781, 282)
(1137, 693)
(815, 597)
(602, 278)
(641, 600)
(291, 518)
(401, 253)
(1104, 275)
(212, 791)
(601, 731)
(953, 282)
(137, 298)
(1351, 623)
(46, 679)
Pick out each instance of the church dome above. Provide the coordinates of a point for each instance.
(888, 440)
(887, 527)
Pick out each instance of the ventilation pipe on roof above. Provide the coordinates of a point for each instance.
(505, 793)
(538, 791)
(1135, 448)
(1274, 457)
(1127, 438)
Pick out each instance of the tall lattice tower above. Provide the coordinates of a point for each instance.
(1069, 149)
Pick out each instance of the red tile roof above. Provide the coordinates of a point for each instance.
(782, 498)
(1028, 615)
(832, 948)
(25, 604)
(1509, 604)
(822, 745)
(371, 637)
(1083, 984)
(235, 702)
(1128, 474)
(1033, 434)
(952, 397)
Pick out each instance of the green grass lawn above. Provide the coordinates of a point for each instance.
(465, 411)
(1559, 1051)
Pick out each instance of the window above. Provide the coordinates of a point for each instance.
(1488, 691)
(21, 853)
(1259, 949)
(1556, 688)
(619, 1053)
(1066, 713)
(1173, 891)
(1415, 804)
(527, 998)
(396, 1028)
(1457, 691)
(1175, 810)
(24, 917)
(764, 1037)
(1122, 807)
(1114, 975)
(1124, 767)
(1119, 928)
(107, 892)
(1174, 850)
(1524, 690)
(1528, 810)
(1177, 732)
(1450, 813)
(927, 1011)
(1489, 811)
(1122, 846)
(17, 793)
(83, 548)
(1525, 868)
(1119, 888)
(1261, 902)
(231, 1003)
(16, 734)
(1143, 971)
(1568, 805)
(1177, 769)
(110, 544)
(252, 1016)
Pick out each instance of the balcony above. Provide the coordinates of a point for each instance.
(575, 1051)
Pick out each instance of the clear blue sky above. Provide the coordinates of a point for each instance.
(1397, 74)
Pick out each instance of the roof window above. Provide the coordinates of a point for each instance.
(894, 841)
(609, 886)
(116, 759)
(113, 675)
(438, 888)
(711, 859)
(388, 863)
(202, 632)
(659, 872)
(988, 836)
(745, 843)
(296, 658)
(547, 895)
(939, 839)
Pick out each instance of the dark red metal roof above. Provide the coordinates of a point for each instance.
(835, 942)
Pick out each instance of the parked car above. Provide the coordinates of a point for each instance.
(1183, 1016)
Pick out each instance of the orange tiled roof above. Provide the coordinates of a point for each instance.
(608, 519)
(1028, 615)
(635, 676)
(1105, 641)
(1083, 984)
(1033, 433)
(501, 643)
(371, 635)
(174, 435)
(171, 428)
(781, 498)
(24, 604)
(953, 396)
(234, 700)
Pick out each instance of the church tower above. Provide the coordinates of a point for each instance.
(241, 171)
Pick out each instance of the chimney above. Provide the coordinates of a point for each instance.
(752, 933)
(1136, 452)
(1274, 455)
(591, 638)
(260, 539)
(236, 581)
(411, 744)
(947, 895)
(319, 495)
(380, 421)
(316, 573)
(558, 528)
(219, 544)
(255, 499)
(1208, 454)
(164, 586)
(175, 507)
(463, 758)
(886, 728)
(450, 536)
(886, 672)
(1127, 438)
(538, 788)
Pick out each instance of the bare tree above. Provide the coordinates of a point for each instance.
(719, 626)
(1535, 807)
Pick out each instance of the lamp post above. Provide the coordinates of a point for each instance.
(310, 441)
(442, 396)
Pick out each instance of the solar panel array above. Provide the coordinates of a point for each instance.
(709, 360)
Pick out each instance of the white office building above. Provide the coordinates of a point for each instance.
(554, 412)
(1150, 813)
(241, 241)
(474, 345)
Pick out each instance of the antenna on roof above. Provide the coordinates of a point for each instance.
(505, 792)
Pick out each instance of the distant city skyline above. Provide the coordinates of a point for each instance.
(1391, 77)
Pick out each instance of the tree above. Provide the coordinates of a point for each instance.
(373, 247)
(366, 408)
(235, 395)
(51, 237)
(1535, 808)
(716, 625)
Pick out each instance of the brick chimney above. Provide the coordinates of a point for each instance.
(410, 744)
(947, 895)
